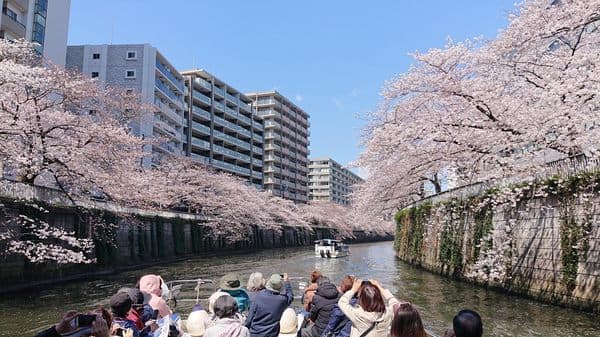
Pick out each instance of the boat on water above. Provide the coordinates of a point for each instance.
(330, 248)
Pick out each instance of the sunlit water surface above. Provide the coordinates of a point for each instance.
(438, 298)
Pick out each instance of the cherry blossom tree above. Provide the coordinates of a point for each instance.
(488, 109)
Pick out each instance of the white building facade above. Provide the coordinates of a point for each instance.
(143, 69)
(42, 22)
(330, 181)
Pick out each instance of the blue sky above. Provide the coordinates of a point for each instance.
(330, 57)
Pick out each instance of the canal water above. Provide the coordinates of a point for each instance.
(437, 298)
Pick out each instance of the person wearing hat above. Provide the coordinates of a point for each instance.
(288, 326)
(268, 306)
(231, 284)
(120, 305)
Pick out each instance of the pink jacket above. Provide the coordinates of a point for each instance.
(152, 285)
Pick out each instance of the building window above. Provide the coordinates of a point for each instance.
(38, 32)
(131, 55)
(130, 74)
(95, 74)
(96, 56)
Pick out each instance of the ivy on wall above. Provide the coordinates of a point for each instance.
(461, 236)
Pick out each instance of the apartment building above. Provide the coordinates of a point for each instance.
(330, 181)
(220, 128)
(143, 69)
(43, 22)
(285, 145)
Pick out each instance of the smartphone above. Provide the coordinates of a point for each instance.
(281, 275)
(85, 320)
(155, 314)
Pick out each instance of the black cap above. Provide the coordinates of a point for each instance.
(138, 298)
(120, 304)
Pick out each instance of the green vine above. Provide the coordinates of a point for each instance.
(574, 244)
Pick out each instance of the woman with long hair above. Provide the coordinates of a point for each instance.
(407, 321)
(371, 317)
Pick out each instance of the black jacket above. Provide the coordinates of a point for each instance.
(323, 302)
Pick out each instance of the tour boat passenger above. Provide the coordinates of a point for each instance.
(339, 325)
(467, 323)
(226, 325)
(289, 323)
(231, 284)
(256, 283)
(153, 285)
(323, 302)
(373, 315)
(195, 323)
(407, 321)
(309, 292)
(120, 304)
(268, 306)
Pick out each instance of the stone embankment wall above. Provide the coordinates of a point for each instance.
(126, 237)
(541, 240)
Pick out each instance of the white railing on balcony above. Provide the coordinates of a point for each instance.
(203, 83)
(201, 128)
(201, 97)
(169, 112)
(230, 167)
(201, 113)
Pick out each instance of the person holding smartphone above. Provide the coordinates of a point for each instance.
(373, 315)
(268, 306)
(120, 304)
(74, 324)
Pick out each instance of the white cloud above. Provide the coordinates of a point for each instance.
(299, 98)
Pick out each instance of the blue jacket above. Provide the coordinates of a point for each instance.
(241, 297)
(266, 310)
(336, 317)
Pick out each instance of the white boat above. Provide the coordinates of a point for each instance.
(329, 248)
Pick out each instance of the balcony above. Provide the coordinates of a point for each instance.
(200, 143)
(257, 149)
(165, 90)
(244, 106)
(203, 83)
(230, 153)
(271, 169)
(201, 97)
(258, 125)
(269, 158)
(232, 140)
(219, 91)
(178, 83)
(11, 23)
(230, 167)
(257, 175)
(166, 147)
(272, 124)
(231, 98)
(271, 180)
(231, 126)
(258, 138)
(201, 113)
(272, 147)
(257, 163)
(167, 129)
(268, 101)
(169, 112)
(200, 158)
(200, 128)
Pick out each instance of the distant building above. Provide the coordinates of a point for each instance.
(285, 145)
(220, 128)
(143, 69)
(329, 181)
(43, 22)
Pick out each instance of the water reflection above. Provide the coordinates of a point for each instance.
(437, 298)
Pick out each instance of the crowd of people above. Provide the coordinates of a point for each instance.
(354, 308)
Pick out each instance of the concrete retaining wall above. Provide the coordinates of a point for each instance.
(547, 248)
